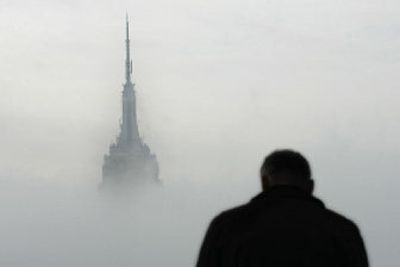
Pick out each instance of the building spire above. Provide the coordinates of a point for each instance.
(128, 61)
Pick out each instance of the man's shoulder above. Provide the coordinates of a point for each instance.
(245, 211)
(231, 215)
(340, 221)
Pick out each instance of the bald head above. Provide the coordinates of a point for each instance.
(286, 167)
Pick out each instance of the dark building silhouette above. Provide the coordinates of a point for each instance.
(129, 160)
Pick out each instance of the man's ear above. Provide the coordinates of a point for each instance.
(265, 182)
(310, 186)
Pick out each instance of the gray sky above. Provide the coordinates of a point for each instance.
(219, 84)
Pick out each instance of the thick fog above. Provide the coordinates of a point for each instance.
(219, 83)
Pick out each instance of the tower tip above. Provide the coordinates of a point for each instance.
(128, 63)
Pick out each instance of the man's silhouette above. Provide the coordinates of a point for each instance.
(283, 226)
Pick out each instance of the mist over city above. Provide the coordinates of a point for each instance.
(219, 85)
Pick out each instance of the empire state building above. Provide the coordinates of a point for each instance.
(129, 160)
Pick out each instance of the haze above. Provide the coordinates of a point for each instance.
(219, 85)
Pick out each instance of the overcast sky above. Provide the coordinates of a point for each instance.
(219, 84)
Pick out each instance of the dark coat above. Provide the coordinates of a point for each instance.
(282, 227)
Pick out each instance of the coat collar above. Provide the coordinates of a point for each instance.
(286, 191)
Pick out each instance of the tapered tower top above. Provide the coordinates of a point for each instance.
(129, 160)
(128, 61)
